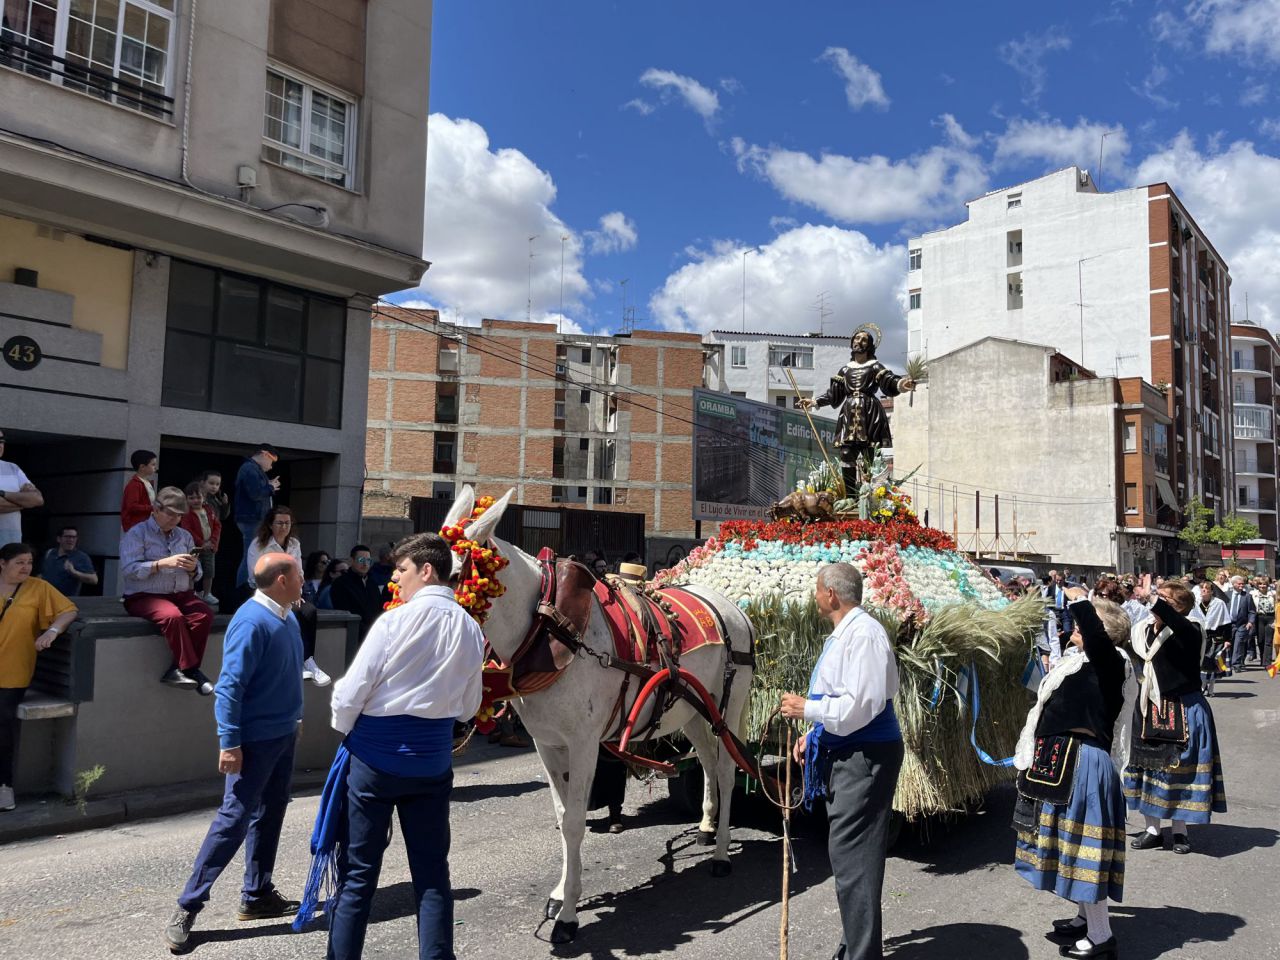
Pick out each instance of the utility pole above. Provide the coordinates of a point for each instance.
(744, 287)
(528, 308)
(623, 285)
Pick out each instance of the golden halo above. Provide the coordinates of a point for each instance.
(874, 329)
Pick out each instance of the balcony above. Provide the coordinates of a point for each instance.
(1253, 423)
(1257, 504)
(37, 60)
(1252, 466)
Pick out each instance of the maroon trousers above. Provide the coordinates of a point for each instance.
(183, 618)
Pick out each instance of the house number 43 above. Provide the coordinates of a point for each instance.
(21, 353)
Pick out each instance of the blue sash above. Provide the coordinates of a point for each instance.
(402, 746)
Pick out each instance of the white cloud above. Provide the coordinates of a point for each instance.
(482, 206)
(701, 100)
(1230, 193)
(862, 85)
(863, 282)
(730, 85)
(780, 224)
(1061, 145)
(1239, 27)
(1270, 127)
(1150, 87)
(1026, 56)
(1253, 94)
(642, 107)
(874, 189)
(616, 234)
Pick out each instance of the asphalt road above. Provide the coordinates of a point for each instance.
(107, 893)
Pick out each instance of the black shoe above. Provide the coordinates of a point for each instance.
(1181, 844)
(176, 678)
(1148, 841)
(204, 686)
(1067, 932)
(272, 905)
(1107, 948)
(178, 932)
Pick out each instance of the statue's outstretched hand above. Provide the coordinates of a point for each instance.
(806, 403)
(906, 385)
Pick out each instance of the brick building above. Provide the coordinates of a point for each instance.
(594, 422)
(1255, 370)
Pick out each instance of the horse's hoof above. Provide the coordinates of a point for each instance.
(721, 868)
(706, 838)
(553, 907)
(564, 932)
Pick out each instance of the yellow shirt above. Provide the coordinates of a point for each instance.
(34, 608)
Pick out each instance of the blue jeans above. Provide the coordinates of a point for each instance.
(252, 813)
(248, 531)
(423, 806)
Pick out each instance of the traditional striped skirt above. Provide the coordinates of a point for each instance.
(1078, 850)
(1192, 789)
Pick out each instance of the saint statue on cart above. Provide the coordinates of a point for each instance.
(862, 425)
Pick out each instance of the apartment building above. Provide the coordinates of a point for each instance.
(1068, 469)
(1255, 367)
(198, 204)
(1123, 283)
(601, 423)
(756, 365)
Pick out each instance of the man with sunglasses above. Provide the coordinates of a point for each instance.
(159, 567)
(356, 592)
(17, 493)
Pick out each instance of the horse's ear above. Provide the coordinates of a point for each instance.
(461, 508)
(482, 528)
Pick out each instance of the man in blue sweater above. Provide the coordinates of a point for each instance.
(254, 497)
(258, 707)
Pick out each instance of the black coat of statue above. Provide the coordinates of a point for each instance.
(862, 421)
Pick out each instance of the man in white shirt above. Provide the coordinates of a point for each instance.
(17, 493)
(853, 754)
(418, 670)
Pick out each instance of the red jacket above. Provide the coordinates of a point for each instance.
(191, 523)
(136, 504)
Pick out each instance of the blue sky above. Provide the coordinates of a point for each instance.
(664, 139)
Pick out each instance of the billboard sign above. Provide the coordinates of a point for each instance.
(747, 455)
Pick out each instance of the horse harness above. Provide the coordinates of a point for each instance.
(649, 638)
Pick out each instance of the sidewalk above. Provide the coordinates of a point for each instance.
(54, 816)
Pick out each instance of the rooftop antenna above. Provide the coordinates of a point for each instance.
(820, 304)
(623, 285)
(1123, 358)
(528, 308)
(1102, 142)
(560, 319)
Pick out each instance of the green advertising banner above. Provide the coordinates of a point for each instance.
(747, 455)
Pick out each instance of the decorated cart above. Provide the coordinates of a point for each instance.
(962, 646)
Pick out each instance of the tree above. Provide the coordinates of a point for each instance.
(1232, 532)
(1196, 531)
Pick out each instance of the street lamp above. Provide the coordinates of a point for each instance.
(744, 287)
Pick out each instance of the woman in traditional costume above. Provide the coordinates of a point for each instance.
(1070, 815)
(1175, 770)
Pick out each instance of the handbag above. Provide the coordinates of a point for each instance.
(1165, 721)
(1052, 773)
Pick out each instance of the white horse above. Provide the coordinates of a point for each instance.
(570, 719)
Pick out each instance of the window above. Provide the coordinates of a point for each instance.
(604, 496)
(1014, 286)
(738, 393)
(1130, 436)
(801, 358)
(1146, 440)
(1013, 201)
(558, 412)
(445, 447)
(586, 354)
(584, 396)
(913, 259)
(309, 129)
(1150, 498)
(117, 50)
(247, 347)
(738, 356)
(1013, 243)
(442, 490)
(1130, 498)
(913, 300)
(780, 401)
(1160, 448)
(584, 444)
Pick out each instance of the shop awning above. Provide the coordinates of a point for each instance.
(1166, 493)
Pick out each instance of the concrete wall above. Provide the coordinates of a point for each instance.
(764, 383)
(965, 269)
(989, 419)
(228, 75)
(147, 734)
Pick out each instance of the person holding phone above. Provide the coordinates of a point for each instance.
(159, 567)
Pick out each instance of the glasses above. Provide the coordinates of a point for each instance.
(364, 560)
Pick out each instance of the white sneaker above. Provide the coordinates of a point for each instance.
(6, 798)
(311, 671)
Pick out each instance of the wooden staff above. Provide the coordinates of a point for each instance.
(784, 931)
(837, 473)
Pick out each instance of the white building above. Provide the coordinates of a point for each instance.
(755, 365)
(1122, 283)
(1255, 365)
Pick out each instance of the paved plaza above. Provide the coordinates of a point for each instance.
(107, 893)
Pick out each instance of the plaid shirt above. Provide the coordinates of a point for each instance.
(146, 543)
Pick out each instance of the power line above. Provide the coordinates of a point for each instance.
(1039, 499)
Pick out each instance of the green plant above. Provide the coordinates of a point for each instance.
(1195, 526)
(85, 780)
(1233, 531)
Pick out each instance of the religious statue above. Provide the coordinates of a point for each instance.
(862, 425)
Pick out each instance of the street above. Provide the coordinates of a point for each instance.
(648, 891)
